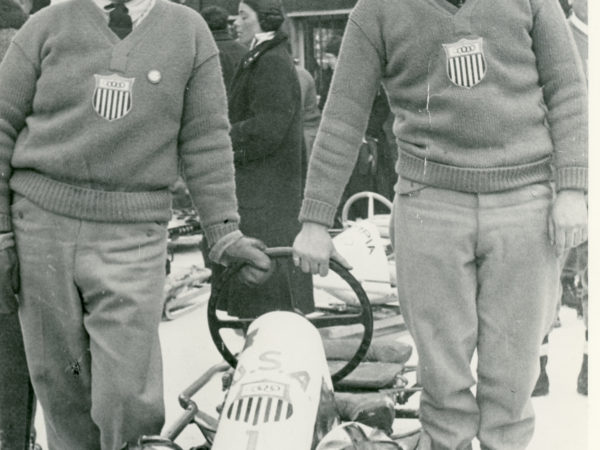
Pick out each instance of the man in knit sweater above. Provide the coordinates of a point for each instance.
(487, 96)
(92, 126)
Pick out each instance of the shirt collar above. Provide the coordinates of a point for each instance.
(262, 37)
(137, 8)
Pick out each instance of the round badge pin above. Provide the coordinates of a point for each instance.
(154, 76)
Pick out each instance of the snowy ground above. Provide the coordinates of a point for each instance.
(562, 416)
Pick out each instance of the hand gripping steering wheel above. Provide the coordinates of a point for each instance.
(364, 317)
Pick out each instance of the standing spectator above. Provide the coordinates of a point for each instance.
(327, 63)
(266, 120)
(374, 168)
(90, 138)
(16, 393)
(573, 279)
(578, 21)
(230, 51)
(311, 116)
(477, 231)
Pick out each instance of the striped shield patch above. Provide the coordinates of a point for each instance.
(261, 402)
(113, 96)
(465, 62)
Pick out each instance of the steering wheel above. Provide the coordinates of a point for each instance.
(372, 197)
(364, 317)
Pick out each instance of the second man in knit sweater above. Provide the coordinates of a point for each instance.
(485, 102)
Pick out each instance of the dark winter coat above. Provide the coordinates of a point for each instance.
(266, 118)
(231, 53)
(11, 19)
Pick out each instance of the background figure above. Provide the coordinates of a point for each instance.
(578, 21)
(266, 120)
(17, 402)
(573, 290)
(327, 64)
(230, 51)
(374, 170)
(311, 116)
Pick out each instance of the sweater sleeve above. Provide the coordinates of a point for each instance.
(355, 82)
(18, 77)
(565, 93)
(205, 148)
(272, 109)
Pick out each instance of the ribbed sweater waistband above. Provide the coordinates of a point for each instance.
(473, 179)
(91, 204)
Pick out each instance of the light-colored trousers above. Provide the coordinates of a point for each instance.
(91, 302)
(475, 272)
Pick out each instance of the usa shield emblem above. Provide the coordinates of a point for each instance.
(465, 62)
(113, 96)
(261, 402)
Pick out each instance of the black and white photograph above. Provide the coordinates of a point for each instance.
(297, 225)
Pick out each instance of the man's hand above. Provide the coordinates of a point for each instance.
(9, 280)
(567, 223)
(313, 248)
(250, 252)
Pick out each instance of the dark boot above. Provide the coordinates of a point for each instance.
(582, 384)
(542, 387)
(582, 379)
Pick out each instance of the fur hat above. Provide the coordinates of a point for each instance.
(270, 13)
(11, 14)
(216, 17)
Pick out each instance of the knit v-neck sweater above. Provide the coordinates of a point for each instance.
(485, 97)
(91, 126)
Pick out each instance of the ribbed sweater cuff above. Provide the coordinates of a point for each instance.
(213, 233)
(317, 211)
(572, 178)
(5, 224)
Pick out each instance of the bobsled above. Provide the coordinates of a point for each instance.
(365, 243)
(291, 387)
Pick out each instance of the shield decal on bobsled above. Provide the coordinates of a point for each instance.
(261, 402)
(113, 96)
(465, 62)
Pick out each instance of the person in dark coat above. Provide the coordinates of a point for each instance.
(266, 118)
(374, 169)
(230, 51)
(16, 394)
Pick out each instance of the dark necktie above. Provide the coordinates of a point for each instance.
(119, 19)
(457, 3)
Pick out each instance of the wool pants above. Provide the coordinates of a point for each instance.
(91, 302)
(475, 272)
